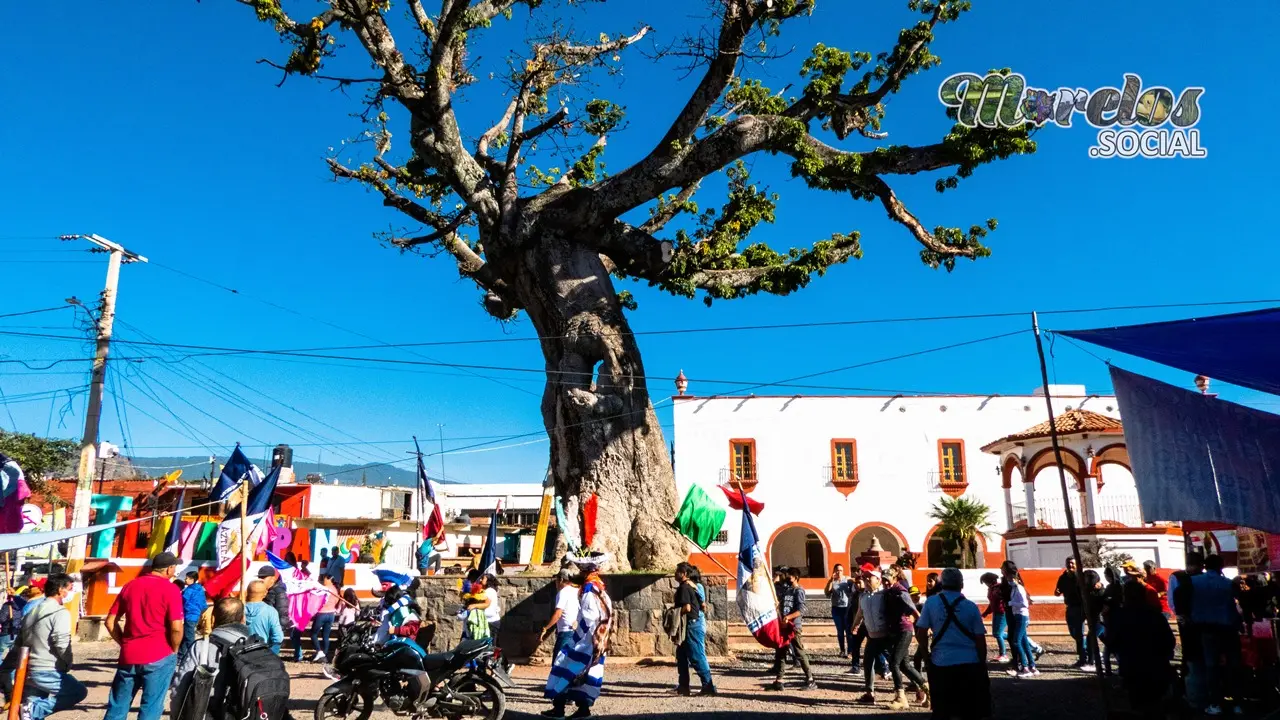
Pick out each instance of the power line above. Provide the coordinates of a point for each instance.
(233, 398)
(678, 331)
(35, 312)
(323, 322)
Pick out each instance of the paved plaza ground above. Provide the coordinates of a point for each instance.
(646, 691)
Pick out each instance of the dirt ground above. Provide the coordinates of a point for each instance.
(646, 691)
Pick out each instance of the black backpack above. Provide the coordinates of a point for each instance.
(252, 682)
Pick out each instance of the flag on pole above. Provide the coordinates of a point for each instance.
(736, 500)
(230, 569)
(756, 599)
(233, 474)
(431, 524)
(173, 540)
(700, 519)
(277, 562)
(489, 555)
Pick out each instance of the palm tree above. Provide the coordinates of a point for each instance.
(960, 522)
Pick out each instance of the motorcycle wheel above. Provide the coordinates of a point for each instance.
(489, 701)
(344, 706)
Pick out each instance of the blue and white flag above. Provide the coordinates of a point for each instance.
(255, 511)
(234, 473)
(173, 541)
(489, 555)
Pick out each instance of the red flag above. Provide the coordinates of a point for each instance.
(589, 520)
(735, 500)
(224, 581)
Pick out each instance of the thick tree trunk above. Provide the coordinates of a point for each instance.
(605, 436)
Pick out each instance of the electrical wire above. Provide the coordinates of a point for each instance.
(680, 331)
(357, 333)
(246, 386)
(35, 312)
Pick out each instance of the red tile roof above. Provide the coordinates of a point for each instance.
(1069, 422)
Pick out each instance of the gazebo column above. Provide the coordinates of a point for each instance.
(1030, 489)
(1091, 490)
(1008, 505)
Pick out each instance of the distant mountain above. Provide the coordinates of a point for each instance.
(195, 467)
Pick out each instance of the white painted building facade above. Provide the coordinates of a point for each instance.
(834, 472)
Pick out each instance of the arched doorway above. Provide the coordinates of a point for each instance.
(888, 538)
(799, 546)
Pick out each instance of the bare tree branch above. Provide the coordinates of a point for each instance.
(670, 209)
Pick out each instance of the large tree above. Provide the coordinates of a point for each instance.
(547, 242)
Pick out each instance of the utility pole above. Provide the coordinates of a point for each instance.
(89, 442)
(441, 429)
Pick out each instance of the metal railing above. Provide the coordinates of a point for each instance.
(1124, 510)
(937, 481)
(730, 478)
(847, 473)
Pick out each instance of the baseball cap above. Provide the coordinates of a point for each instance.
(266, 571)
(914, 590)
(874, 573)
(164, 560)
(867, 568)
(38, 583)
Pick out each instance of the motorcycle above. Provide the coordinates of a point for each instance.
(362, 638)
(412, 682)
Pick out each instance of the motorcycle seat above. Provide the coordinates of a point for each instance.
(435, 661)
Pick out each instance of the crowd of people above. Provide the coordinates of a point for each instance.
(1120, 622)
(164, 627)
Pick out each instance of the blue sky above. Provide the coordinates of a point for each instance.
(152, 125)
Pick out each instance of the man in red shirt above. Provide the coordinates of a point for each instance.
(146, 620)
(1159, 584)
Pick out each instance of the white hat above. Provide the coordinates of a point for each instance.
(589, 561)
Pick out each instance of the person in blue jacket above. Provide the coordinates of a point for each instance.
(194, 602)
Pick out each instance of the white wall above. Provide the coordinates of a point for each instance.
(897, 448)
(468, 497)
(357, 503)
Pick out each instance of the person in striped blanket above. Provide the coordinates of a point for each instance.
(399, 614)
(577, 674)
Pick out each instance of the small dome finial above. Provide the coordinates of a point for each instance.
(1202, 384)
(682, 383)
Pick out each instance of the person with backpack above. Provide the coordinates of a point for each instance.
(693, 649)
(46, 633)
(239, 673)
(957, 664)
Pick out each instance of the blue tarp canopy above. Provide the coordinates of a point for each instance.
(1241, 348)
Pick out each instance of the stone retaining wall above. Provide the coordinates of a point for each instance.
(528, 601)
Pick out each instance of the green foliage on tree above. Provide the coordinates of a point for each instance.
(526, 206)
(961, 521)
(40, 458)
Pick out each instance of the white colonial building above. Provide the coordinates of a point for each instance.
(836, 473)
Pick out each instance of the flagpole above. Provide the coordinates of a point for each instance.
(244, 539)
(709, 555)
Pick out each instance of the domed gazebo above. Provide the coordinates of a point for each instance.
(1037, 531)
